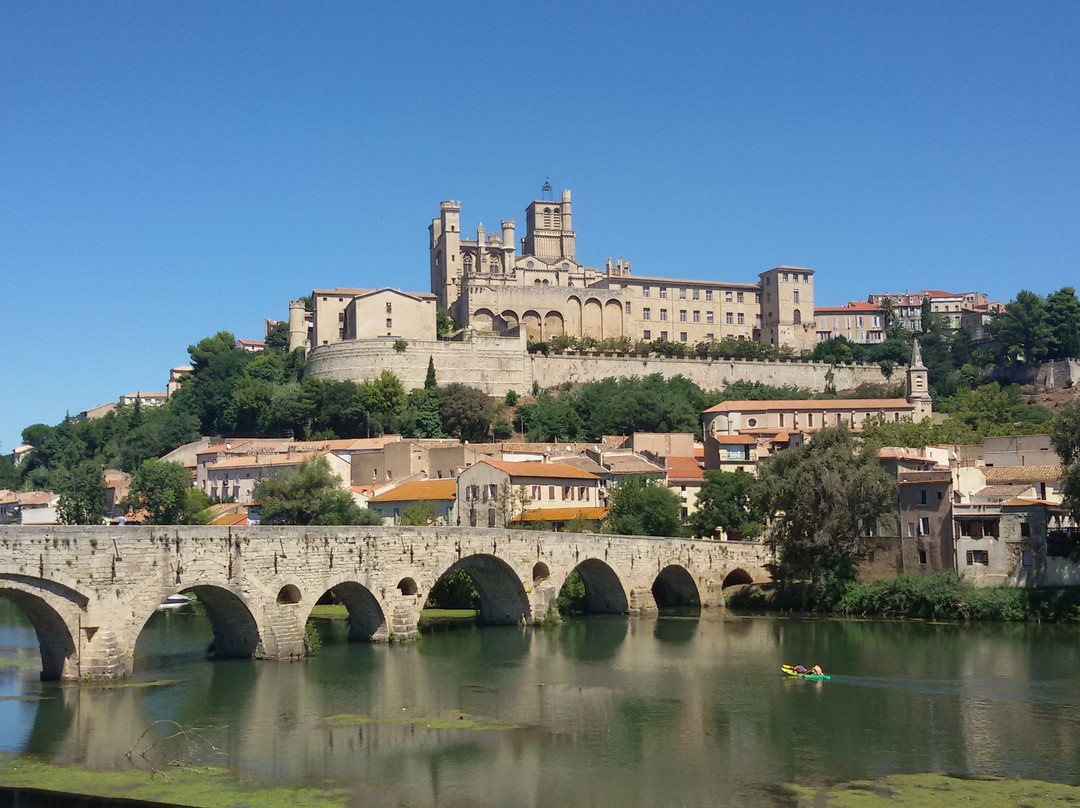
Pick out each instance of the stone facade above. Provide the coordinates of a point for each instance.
(88, 591)
(499, 364)
(546, 292)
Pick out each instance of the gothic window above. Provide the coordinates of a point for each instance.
(466, 262)
(797, 316)
(547, 217)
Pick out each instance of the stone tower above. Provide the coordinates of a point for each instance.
(787, 307)
(298, 325)
(549, 231)
(445, 247)
(918, 386)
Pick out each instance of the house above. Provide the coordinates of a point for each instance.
(493, 493)
(685, 477)
(143, 399)
(39, 508)
(440, 495)
(731, 452)
(857, 321)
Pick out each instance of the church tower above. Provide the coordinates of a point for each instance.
(918, 386)
(549, 231)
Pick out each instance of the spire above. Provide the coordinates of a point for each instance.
(916, 356)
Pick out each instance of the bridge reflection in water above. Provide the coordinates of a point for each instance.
(595, 711)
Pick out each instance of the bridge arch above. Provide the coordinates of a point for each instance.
(503, 600)
(604, 592)
(51, 618)
(367, 620)
(674, 587)
(736, 577)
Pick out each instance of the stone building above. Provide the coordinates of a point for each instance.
(488, 286)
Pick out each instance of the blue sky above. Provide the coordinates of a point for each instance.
(169, 170)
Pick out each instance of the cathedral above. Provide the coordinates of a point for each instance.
(489, 286)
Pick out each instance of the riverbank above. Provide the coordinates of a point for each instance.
(941, 596)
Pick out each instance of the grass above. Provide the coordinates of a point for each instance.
(338, 611)
(199, 787)
(933, 790)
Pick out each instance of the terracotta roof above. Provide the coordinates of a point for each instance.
(231, 519)
(536, 469)
(1022, 474)
(781, 437)
(419, 490)
(1001, 492)
(630, 464)
(854, 305)
(699, 452)
(741, 287)
(561, 514)
(584, 463)
(804, 405)
(259, 461)
(684, 468)
(736, 440)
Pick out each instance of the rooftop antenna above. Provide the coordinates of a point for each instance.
(545, 192)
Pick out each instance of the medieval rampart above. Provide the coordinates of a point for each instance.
(498, 364)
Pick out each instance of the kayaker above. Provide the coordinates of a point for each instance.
(800, 669)
(817, 671)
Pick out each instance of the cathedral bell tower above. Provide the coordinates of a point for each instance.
(918, 386)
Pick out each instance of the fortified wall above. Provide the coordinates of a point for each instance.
(499, 364)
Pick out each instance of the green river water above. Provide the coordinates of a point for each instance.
(595, 712)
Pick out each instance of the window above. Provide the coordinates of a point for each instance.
(551, 493)
(583, 493)
(795, 295)
(389, 323)
(922, 557)
(663, 291)
(646, 313)
(389, 307)
(708, 294)
(535, 493)
(727, 297)
(567, 492)
(1025, 558)
(858, 322)
(663, 315)
(646, 335)
(663, 336)
(978, 557)
(738, 297)
(1025, 530)
(710, 336)
(708, 318)
(697, 316)
(911, 529)
(628, 307)
(922, 496)
(491, 517)
(924, 525)
(682, 336)
(697, 294)
(682, 315)
(729, 318)
(644, 291)
(742, 318)
(682, 294)
(781, 419)
(757, 297)
(785, 276)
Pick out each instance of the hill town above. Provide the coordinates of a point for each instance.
(528, 390)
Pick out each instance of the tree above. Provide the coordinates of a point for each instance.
(466, 412)
(429, 380)
(160, 487)
(1022, 329)
(825, 497)
(1065, 439)
(510, 501)
(1063, 321)
(444, 323)
(83, 497)
(724, 502)
(419, 514)
(889, 310)
(277, 338)
(641, 507)
(309, 495)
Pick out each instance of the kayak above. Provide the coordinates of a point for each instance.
(789, 670)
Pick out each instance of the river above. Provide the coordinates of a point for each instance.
(597, 711)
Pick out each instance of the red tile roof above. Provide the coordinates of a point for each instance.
(804, 405)
(533, 468)
(561, 514)
(419, 490)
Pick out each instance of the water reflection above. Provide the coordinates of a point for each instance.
(596, 711)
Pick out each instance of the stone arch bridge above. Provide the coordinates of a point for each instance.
(88, 591)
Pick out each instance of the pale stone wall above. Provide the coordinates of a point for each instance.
(90, 590)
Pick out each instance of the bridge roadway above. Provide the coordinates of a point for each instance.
(88, 591)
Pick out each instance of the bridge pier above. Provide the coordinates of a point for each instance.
(641, 602)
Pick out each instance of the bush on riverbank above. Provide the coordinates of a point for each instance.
(941, 596)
